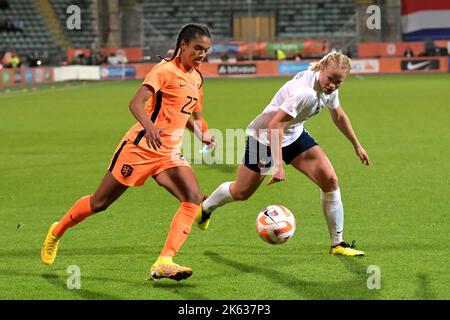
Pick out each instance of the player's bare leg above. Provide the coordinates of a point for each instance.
(108, 192)
(246, 184)
(315, 164)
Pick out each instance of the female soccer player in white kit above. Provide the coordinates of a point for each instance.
(278, 133)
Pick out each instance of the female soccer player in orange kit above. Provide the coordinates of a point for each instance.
(170, 94)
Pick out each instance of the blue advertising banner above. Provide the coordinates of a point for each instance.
(292, 67)
(224, 48)
(117, 72)
(28, 75)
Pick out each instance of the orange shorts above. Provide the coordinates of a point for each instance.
(131, 165)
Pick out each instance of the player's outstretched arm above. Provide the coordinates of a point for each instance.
(342, 121)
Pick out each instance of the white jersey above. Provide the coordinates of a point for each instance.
(301, 98)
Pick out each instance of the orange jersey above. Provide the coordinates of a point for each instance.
(178, 93)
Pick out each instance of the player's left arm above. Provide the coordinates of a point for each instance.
(342, 121)
(198, 125)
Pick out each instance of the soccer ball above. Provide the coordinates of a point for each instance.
(275, 224)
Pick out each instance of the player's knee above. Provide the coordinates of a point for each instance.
(241, 195)
(194, 197)
(99, 205)
(331, 184)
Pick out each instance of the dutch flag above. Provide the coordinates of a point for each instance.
(423, 20)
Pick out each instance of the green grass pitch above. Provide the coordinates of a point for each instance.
(57, 143)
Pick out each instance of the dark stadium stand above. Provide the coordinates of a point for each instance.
(295, 18)
(29, 26)
(86, 36)
(33, 36)
(24, 30)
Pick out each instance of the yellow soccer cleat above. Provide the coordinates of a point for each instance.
(345, 249)
(50, 246)
(202, 217)
(164, 267)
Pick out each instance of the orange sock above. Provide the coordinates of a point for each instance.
(79, 211)
(180, 228)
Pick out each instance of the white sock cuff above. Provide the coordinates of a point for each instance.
(221, 196)
(226, 188)
(331, 196)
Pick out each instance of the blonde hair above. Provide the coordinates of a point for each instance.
(339, 60)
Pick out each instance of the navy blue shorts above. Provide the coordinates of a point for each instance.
(258, 157)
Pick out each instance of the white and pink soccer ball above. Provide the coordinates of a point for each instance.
(275, 224)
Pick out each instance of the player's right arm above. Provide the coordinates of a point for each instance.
(137, 108)
(276, 127)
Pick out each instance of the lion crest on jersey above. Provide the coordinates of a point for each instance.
(127, 170)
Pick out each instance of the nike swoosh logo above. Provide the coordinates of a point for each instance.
(411, 66)
(183, 85)
(338, 232)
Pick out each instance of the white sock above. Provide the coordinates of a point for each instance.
(334, 213)
(218, 198)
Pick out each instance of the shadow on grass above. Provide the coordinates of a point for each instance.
(61, 283)
(181, 288)
(424, 291)
(22, 274)
(310, 290)
(85, 251)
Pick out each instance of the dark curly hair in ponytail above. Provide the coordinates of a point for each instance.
(187, 33)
